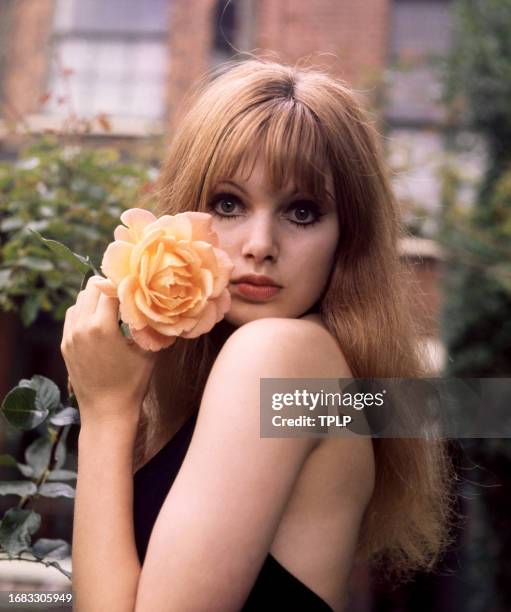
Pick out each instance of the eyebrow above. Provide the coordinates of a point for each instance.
(234, 184)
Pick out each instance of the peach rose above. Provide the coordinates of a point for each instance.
(168, 274)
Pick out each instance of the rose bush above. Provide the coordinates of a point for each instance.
(169, 275)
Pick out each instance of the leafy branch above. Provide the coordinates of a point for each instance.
(36, 403)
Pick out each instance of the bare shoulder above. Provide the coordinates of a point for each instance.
(287, 347)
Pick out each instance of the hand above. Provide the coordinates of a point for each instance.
(110, 374)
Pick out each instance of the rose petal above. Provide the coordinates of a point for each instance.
(181, 325)
(224, 270)
(151, 340)
(178, 226)
(116, 261)
(148, 238)
(202, 226)
(223, 304)
(189, 254)
(130, 314)
(207, 255)
(155, 261)
(171, 258)
(151, 313)
(199, 301)
(137, 219)
(123, 233)
(206, 282)
(206, 321)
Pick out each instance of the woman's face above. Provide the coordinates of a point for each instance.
(287, 237)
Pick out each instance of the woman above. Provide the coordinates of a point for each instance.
(220, 519)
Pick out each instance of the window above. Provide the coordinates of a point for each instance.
(419, 35)
(234, 29)
(116, 56)
(224, 31)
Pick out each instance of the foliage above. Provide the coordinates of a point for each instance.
(476, 318)
(478, 285)
(479, 70)
(72, 194)
(36, 404)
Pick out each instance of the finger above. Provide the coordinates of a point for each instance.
(87, 301)
(68, 324)
(107, 311)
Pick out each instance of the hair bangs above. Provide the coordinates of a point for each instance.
(295, 151)
(290, 140)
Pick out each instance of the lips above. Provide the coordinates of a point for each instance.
(256, 279)
(256, 292)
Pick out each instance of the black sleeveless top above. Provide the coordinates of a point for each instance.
(275, 588)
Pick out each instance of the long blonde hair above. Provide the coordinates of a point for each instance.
(307, 122)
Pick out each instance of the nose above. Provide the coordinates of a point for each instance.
(260, 242)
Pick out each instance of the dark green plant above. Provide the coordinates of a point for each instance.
(36, 404)
(476, 318)
(478, 90)
(478, 84)
(72, 194)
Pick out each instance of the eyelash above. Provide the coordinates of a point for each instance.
(311, 206)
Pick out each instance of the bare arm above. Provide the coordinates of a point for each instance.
(109, 378)
(106, 568)
(220, 517)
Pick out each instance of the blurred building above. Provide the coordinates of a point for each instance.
(132, 62)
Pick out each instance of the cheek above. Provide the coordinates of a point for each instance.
(316, 257)
(226, 239)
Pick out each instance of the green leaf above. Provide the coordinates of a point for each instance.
(26, 470)
(54, 549)
(37, 455)
(56, 489)
(34, 263)
(29, 309)
(5, 277)
(62, 475)
(21, 410)
(47, 392)
(8, 460)
(17, 487)
(67, 416)
(16, 529)
(65, 253)
(86, 277)
(11, 223)
(125, 330)
(60, 451)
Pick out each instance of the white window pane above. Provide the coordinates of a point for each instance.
(149, 58)
(76, 54)
(422, 26)
(146, 99)
(111, 58)
(107, 97)
(82, 97)
(56, 90)
(63, 16)
(121, 15)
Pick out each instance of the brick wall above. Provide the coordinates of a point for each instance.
(349, 37)
(355, 33)
(26, 56)
(190, 43)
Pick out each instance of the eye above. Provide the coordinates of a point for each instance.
(223, 204)
(305, 213)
